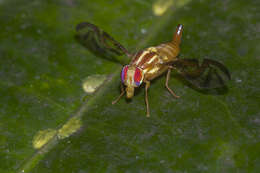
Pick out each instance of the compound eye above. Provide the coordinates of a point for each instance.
(124, 73)
(138, 77)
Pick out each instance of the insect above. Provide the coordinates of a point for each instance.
(152, 62)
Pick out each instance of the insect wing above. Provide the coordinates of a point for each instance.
(98, 41)
(205, 75)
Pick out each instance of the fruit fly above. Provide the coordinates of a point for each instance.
(152, 62)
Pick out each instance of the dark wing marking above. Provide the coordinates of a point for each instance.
(99, 42)
(208, 74)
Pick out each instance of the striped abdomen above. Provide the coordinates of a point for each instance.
(168, 51)
(152, 60)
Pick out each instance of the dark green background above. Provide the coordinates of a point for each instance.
(42, 68)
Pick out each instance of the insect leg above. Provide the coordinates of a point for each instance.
(147, 85)
(122, 93)
(167, 80)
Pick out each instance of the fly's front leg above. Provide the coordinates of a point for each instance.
(147, 85)
(167, 80)
(122, 93)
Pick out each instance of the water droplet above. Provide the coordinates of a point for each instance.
(238, 80)
(162, 161)
(43, 137)
(161, 6)
(91, 83)
(70, 127)
(143, 31)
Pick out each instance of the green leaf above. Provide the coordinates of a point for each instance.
(48, 123)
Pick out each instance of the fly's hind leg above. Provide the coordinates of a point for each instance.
(167, 80)
(122, 93)
(147, 85)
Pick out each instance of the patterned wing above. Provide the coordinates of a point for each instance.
(99, 42)
(206, 75)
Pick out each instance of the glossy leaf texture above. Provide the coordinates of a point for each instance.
(49, 124)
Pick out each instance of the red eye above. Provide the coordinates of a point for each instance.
(138, 76)
(123, 73)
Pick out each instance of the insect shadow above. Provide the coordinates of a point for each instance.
(98, 42)
(207, 91)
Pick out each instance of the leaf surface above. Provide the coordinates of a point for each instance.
(49, 124)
